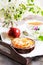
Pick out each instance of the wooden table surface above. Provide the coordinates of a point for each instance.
(7, 61)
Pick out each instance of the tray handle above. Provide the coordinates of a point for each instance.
(13, 54)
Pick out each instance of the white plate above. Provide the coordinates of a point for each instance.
(38, 50)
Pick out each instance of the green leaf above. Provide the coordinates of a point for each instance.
(32, 0)
(9, 0)
(40, 38)
(42, 13)
(15, 16)
(32, 10)
(29, 4)
(23, 6)
(28, 1)
(37, 12)
(19, 15)
(36, 32)
(20, 12)
(7, 15)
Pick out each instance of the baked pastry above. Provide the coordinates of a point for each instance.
(35, 23)
(23, 45)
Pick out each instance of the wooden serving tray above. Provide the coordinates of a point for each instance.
(9, 51)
